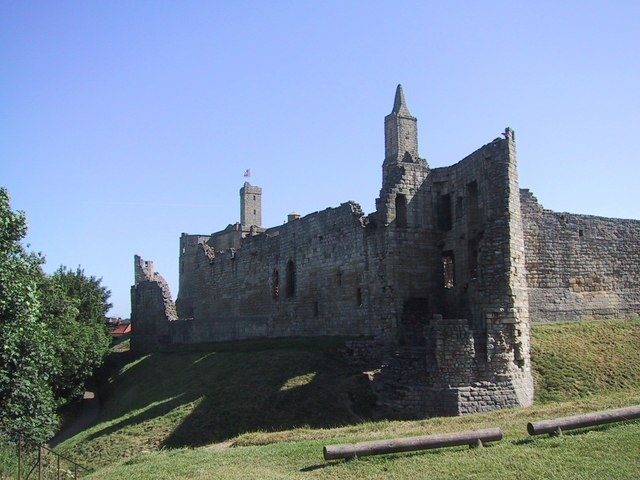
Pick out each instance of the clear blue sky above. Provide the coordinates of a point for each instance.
(123, 124)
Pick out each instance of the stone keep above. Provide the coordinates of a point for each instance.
(447, 273)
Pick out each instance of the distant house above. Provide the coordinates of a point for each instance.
(121, 329)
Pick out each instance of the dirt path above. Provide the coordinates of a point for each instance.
(88, 413)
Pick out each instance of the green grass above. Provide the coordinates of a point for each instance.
(574, 360)
(606, 452)
(173, 415)
(198, 396)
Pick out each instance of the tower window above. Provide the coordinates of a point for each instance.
(448, 269)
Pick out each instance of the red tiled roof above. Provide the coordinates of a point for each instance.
(122, 329)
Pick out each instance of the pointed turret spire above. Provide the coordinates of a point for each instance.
(400, 132)
(399, 105)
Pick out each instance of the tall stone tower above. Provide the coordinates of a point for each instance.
(400, 135)
(250, 205)
(403, 171)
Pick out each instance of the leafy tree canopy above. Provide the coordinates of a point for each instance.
(26, 355)
(74, 308)
(52, 333)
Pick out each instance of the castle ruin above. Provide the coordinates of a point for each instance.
(447, 273)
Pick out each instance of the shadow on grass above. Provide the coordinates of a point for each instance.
(575, 432)
(328, 464)
(205, 397)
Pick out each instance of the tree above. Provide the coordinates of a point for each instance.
(74, 308)
(53, 333)
(26, 355)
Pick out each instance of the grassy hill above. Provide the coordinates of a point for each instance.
(175, 414)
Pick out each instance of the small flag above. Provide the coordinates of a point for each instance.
(247, 172)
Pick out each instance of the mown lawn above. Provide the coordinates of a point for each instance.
(610, 452)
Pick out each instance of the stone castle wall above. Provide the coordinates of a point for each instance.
(306, 277)
(336, 272)
(445, 276)
(580, 266)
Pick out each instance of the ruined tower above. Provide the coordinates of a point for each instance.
(250, 205)
(152, 308)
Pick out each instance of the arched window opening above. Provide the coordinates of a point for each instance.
(407, 158)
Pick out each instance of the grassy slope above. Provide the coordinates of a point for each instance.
(202, 396)
(277, 402)
(574, 360)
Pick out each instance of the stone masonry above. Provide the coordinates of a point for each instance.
(443, 278)
(152, 308)
(580, 266)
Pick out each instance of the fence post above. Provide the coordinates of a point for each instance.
(19, 457)
(45, 467)
(40, 472)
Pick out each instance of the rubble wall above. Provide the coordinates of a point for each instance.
(152, 308)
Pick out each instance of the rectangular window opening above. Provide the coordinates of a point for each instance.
(291, 279)
(448, 269)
